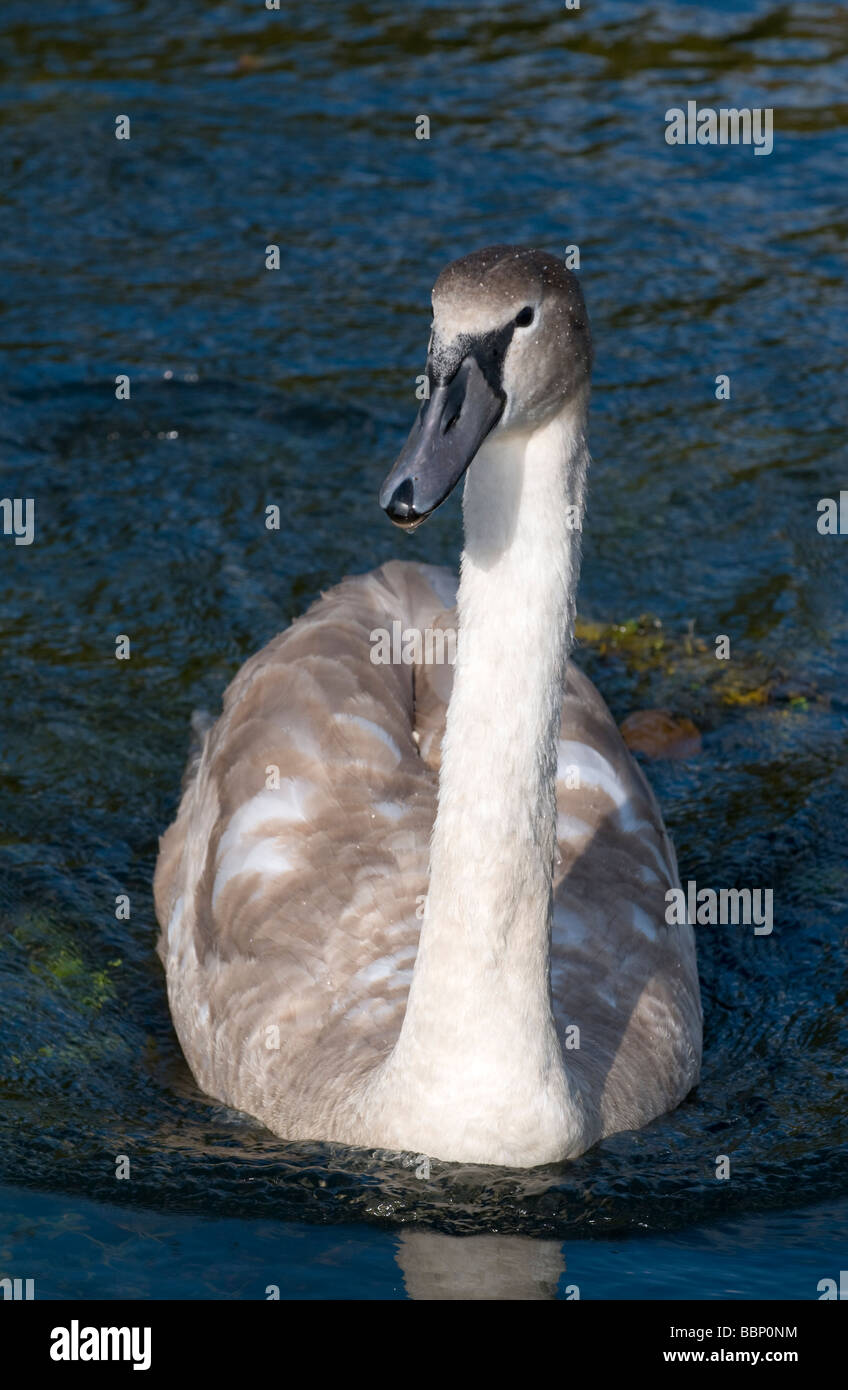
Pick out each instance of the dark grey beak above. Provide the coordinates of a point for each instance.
(449, 430)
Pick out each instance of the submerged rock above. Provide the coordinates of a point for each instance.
(659, 734)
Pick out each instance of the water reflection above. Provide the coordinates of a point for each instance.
(439, 1266)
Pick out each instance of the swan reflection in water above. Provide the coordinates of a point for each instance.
(484, 1267)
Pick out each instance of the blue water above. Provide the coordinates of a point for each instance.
(295, 387)
(81, 1249)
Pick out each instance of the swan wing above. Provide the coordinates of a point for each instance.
(624, 982)
(290, 887)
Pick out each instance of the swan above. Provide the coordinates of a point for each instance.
(420, 907)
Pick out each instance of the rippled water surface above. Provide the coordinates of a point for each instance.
(295, 387)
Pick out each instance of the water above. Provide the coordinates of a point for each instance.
(295, 387)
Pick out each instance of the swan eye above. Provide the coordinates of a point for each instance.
(524, 318)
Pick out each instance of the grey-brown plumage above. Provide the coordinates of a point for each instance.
(324, 951)
(412, 906)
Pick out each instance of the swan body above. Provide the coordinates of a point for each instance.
(416, 906)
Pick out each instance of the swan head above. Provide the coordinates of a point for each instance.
(510, 346)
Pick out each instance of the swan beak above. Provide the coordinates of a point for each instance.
(449, 430)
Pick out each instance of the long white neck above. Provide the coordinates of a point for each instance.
(478, 1039)
(494, 836)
